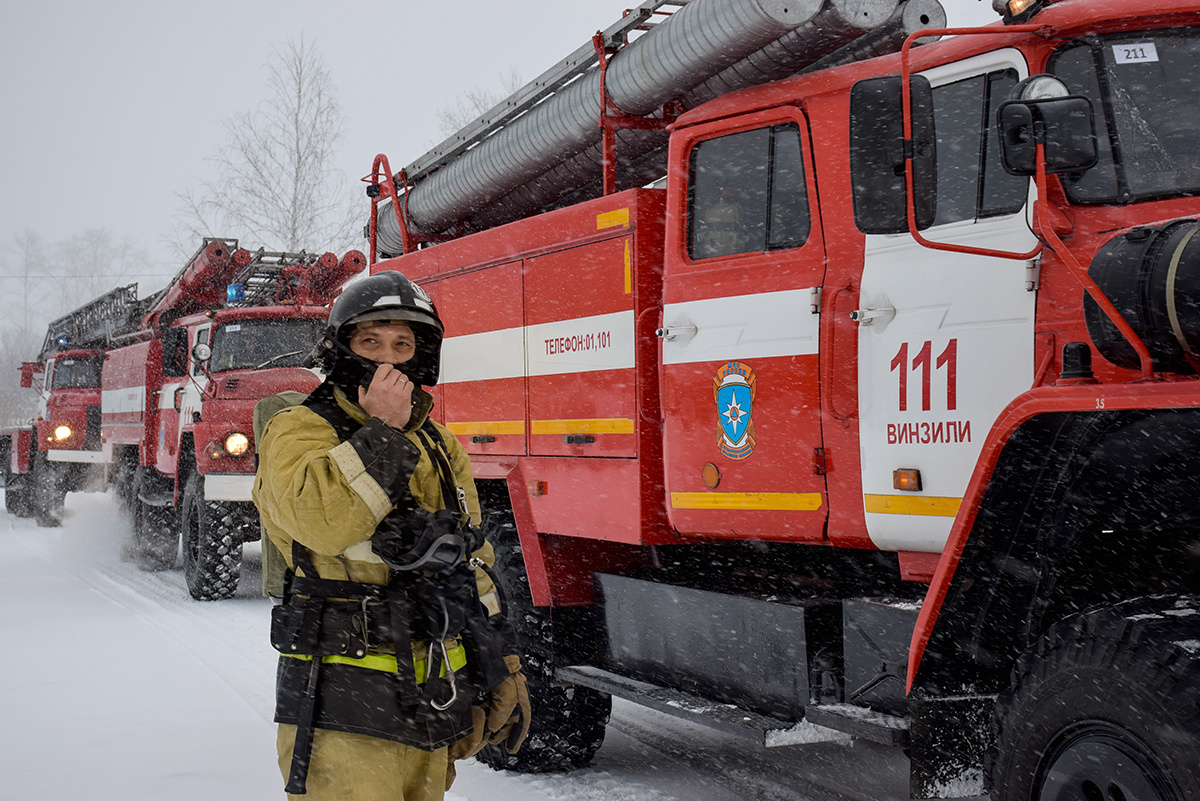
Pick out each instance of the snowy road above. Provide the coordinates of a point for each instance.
(116, 685)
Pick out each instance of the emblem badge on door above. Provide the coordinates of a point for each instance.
(734, 387)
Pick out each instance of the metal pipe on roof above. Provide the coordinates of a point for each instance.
(839, 23)
(699, 40)
(506, 177)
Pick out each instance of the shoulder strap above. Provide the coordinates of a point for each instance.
(453, 496)
(322, 401)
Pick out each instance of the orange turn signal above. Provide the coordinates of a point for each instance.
(907, 479)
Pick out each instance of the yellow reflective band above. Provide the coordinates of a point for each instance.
(609, 425)
(387, 663)
(493, 427)
(612, 219)
(773, 501)
(628, 270)
(911, 505)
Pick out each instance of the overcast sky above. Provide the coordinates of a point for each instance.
(109, 108)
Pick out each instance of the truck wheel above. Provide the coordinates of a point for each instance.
(1106, 706)
(46, 492)
(567, 722)
(16, 495)
(16, 501)
(155, 541)
(212, 546)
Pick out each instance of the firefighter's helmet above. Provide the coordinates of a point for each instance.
(386, 295)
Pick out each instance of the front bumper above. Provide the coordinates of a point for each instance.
(228, 486)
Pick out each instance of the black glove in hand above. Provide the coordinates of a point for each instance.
(508, 714)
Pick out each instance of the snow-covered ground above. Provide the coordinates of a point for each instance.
(114, 684)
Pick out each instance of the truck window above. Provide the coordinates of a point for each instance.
(203, 336)
(77, 372)
(246, 344)
(175, 355)
(747, 193)
(1147, 106)
(971, 183)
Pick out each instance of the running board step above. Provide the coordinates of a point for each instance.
(765, 731)
(861, 722)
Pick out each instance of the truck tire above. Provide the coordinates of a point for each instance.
(1105, 706)
(212, 545)
(568, 722)
(45, 492)
(15, 502)
(16, 494)
(155, 539)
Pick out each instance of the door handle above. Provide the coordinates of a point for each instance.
(869, 315)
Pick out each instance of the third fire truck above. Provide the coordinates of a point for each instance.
(876, 416)
(59, 451)
(233, 327)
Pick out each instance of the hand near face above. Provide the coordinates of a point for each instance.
(389, 397)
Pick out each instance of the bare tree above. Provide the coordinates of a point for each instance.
(27, 285)
(27, 294)
(93, 263)
(469, 105)
(277, 186)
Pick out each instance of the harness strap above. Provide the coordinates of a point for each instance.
(302, 748)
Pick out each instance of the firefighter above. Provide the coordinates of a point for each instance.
(395, 655)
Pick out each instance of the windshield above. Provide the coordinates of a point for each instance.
(77, 372)
(1145, 88)
(246, 344)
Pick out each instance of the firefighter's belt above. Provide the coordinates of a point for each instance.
(387, 662)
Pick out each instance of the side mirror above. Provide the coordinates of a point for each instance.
(877, 155)
(27, 371)
(1063, 125)
(201, 352)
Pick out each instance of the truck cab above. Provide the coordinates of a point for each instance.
(69, 412)
(236, 358)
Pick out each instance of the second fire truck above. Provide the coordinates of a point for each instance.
(233, 327)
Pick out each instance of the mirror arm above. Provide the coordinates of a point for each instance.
(1042, 215)
(909, 155)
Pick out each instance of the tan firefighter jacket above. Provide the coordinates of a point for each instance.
(330, 495)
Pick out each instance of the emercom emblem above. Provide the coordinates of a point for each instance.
(734, 387)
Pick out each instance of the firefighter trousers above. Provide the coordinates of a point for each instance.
(354, 767)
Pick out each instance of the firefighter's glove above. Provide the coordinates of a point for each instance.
(470, 745)
(508, 709)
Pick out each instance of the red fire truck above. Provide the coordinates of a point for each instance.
(878, 416)
(59, 451)
(231, 328)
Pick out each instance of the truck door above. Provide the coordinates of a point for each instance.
(193, 389)
(180, 396)
(945, 340)
(744, 262)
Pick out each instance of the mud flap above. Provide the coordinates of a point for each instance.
(949, 739)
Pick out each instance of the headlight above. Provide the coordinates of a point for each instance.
(62, 432)
(237, 443)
